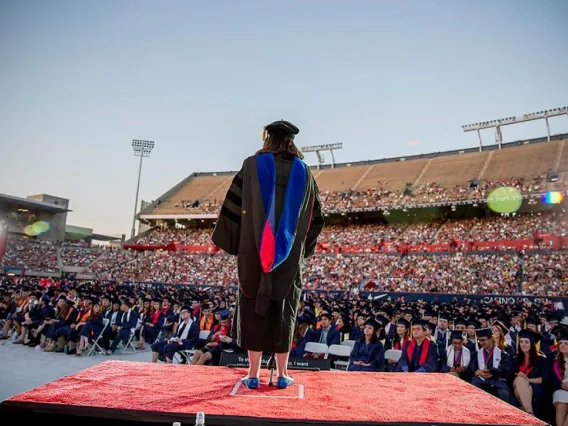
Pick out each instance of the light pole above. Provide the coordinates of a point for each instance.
(141, 149)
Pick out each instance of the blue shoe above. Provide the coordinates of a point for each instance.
(251, 383)
(284, 382)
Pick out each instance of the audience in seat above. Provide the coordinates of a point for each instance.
(184, 339)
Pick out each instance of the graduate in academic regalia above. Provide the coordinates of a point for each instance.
(457, 357)
(419, 354)
(530, 369)
(491, 367)
(471, 341)
(270, 219)
(368, 354)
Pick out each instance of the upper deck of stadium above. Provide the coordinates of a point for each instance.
(519, 159)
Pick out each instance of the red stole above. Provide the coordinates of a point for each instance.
(397, 345)
(526, 369)
(423, 351)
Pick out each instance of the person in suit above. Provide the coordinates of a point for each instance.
(419, 354)
(128, 323)
(185, 338)
(327, 333)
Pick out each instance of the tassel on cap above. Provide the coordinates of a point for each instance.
(264, 134)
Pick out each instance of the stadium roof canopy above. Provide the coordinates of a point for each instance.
(26, 203)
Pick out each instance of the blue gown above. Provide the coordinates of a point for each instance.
(539, 370)
(369, 353)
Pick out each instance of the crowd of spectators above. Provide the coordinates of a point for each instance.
(494, 228)
(79, 253)
(30, 253)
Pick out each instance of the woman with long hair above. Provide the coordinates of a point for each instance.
(92, 328)
(302, 336)
(530, 370)
(342, 325)
(471, 337)
(153, 324)
(270, 219)
(368, 354)
(499, 337)
(401, 336)
(559, 379)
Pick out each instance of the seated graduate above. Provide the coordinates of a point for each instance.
(530, 369)
(326, 334)
(559, 378)
(457, 357)
(26, 322)
(186, 337)
(397, 342)
(471, 340)
(419, 354)
(368, 354)
(357, 331)
(343, 326)
(59, 327)
(37, 316)
(92, 328)
(154, 321)
(302, 335)
(491, 367)
(73, 336)
(126, 327)
(219, 339)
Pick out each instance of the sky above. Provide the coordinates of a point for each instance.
(80, 79)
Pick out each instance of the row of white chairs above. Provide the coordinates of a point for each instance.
(344, 350)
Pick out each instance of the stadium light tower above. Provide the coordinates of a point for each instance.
(141, 149)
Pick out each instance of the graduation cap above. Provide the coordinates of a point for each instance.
(373, 324)
(525, 333)
(444, 316)
(425, 324)
(68, 302)
(223, 315)
(484, 332)
(461, 321)
(563, 336)
(280, 126)
(474, 323)
(502, 327)
(186, 308)
(456, 334)
(402, 321)
(533, 320)
(429, 313)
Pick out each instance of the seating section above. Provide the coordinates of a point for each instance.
(522, 162)
(436, 179)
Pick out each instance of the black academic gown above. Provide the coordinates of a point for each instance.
(267, 303)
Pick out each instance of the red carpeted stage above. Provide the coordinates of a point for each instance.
(136, 393)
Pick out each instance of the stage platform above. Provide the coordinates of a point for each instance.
(129, 393)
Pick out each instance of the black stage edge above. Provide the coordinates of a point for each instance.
(26, 413)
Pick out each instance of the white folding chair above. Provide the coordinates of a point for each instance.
(393, 355)
(130, 342)
(350, 343)
(94, 345)
(188, 353)
(316, 348)
(343, 351)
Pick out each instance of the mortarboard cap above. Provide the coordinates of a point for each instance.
(423, 323)
(531, 335)
(554, 317)
(282, 126)
(223, 315)
(533, 320)
(461, 321)
(402, 321)
(186, 308)
(474, 323)
(443, 316)
(484, 332)
(456, 334)
(373, 324)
